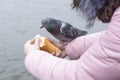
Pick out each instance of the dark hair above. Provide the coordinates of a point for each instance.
(106, 12)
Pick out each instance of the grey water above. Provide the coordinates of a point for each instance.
(20, 21)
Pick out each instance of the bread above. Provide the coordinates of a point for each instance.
(46, 45)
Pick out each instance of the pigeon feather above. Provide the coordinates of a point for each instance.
(61, 30)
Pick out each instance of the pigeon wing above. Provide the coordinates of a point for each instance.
(71, 32)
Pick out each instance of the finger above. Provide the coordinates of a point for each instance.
(63, 54)
(53, 53)
(31, 41)
(58, 54)
(37, 42)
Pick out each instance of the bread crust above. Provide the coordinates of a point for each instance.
(46, 45)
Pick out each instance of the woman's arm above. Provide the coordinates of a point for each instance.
(44, 66)
(78, 46)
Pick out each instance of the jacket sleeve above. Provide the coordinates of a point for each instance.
(79, 45)
(44, 66)
(102, 59)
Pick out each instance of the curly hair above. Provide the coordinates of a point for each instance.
(105, 13)
(102, 9)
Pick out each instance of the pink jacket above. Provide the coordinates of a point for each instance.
(98, 57)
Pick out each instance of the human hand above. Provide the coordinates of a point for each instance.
(60, 45)
(31, 45)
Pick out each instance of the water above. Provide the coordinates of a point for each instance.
(20, 21)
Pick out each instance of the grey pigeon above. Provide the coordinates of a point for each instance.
(61, 30)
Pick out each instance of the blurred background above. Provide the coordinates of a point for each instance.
(20, 21)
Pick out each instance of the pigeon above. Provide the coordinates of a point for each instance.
(61, 30)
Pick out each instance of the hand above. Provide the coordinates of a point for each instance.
(31, 45)
(60, 45)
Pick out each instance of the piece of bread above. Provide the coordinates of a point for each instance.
(46, 45)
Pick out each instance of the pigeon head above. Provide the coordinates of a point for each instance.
(50, 24)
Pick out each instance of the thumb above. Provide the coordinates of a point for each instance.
(37, 42)
(31, 41)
